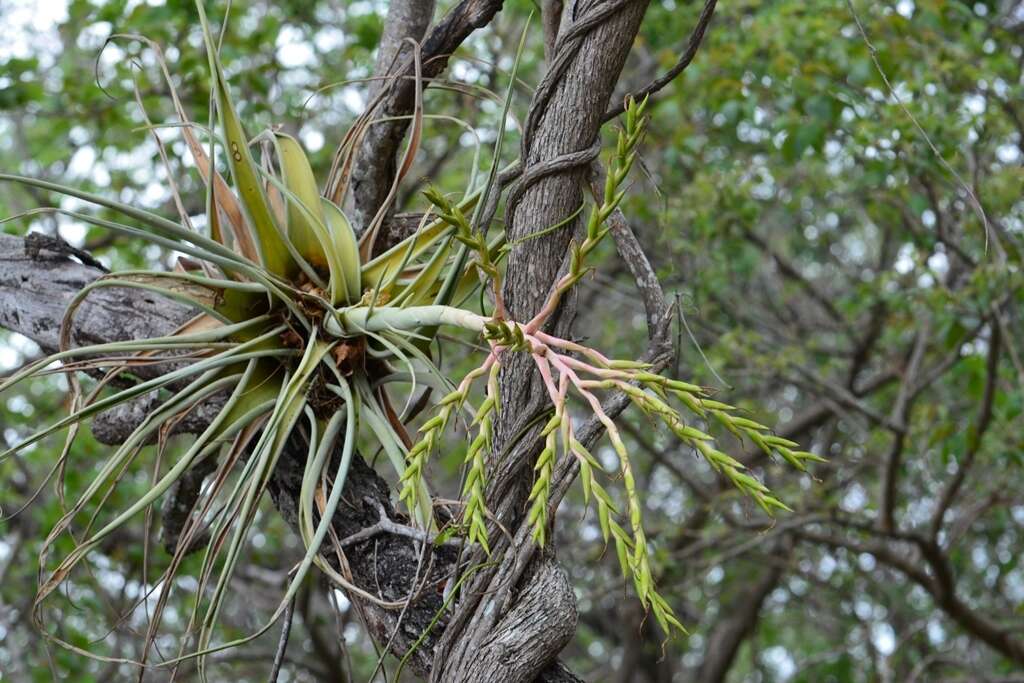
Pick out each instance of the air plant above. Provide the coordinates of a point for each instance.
(304, 331)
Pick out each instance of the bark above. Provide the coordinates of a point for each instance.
(375, 167)
(34, 290)
(36, 285)
(406, 19)
(551, 20)
(558, 146)
(386, 565)
(563, 125)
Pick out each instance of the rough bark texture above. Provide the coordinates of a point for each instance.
(519, 646)
(375, 167)
(36, 285)
(405, 19)
(385, 565)
(561, 130)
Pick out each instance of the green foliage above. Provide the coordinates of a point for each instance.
(291, 318)
(780, 130)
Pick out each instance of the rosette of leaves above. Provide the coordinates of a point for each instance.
(303, 331)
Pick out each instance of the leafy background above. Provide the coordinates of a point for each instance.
(787, 199)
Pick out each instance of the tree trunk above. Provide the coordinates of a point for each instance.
(558, 145)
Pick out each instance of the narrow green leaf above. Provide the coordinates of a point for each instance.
(244, 172)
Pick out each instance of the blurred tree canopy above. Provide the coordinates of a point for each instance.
(830, 191)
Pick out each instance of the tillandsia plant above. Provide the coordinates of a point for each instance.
(305, 332)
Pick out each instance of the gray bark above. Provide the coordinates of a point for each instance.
(551, 20)
(406, 19)
(558, 146)
(376, 166)
(38, 285)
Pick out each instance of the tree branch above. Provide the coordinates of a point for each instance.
(739, 619)
(692, 45)
(981, 425)
(559, 142)
(899, 416)
(939, 583)
(375, 167)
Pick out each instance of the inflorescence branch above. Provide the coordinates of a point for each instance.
(563, 366)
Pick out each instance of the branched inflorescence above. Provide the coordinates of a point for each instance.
(570, 368)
